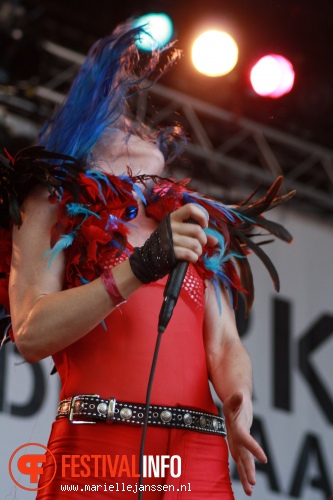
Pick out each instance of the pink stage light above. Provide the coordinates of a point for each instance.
(272, 76)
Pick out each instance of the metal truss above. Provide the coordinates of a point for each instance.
(250, 152)
(229, 154)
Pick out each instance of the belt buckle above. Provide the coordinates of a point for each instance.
(111, 410)
(71, 411)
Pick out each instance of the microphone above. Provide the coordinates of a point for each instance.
(174, 285)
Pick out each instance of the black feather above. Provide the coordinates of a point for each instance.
(263, 257)
(245, 273)
(31, 166)
(18, 175)
(242, 231)
(274, 228)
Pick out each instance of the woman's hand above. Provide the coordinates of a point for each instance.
(238, 417)
(174, 239)
(190, 238)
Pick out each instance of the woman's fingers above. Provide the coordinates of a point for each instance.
(189, 231)
(182, 253)
(188, 224)
(188, 241)
(256, 450)
(211, 240)
(190, 211)
(247, 486)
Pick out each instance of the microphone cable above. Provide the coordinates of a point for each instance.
(145, 423)
(171, 294)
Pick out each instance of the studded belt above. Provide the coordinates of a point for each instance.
(90, 408)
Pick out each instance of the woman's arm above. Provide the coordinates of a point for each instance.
(46, 318)
(230, 371)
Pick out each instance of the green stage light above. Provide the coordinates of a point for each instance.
(158, 29)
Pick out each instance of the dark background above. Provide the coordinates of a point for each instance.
(301, 30)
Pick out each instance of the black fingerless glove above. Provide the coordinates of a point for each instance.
(156, 258)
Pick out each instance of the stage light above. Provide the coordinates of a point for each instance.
(159, 30)
(214, 53)
(272, 76)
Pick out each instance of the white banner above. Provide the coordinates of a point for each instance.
(290, 341)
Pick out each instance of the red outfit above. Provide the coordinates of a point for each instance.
(116, 363)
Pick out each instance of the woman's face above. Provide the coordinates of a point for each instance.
(119, 150)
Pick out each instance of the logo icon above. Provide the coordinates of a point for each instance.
(26, 465)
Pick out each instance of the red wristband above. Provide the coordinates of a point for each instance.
(112, 289)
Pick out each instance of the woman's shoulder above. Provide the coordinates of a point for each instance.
(39, 207)
(38, 195)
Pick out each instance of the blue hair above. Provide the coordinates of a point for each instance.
(98, 96)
